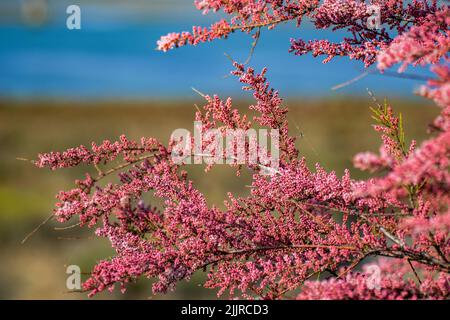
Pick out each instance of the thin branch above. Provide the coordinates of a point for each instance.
(37, 228)
(122, 166)
(68, 227)
(272, 170)
(437, 248)
(75, 238)
(253, 47)
(356, 212)
(414, 271)
(311, 215)
(352, 266)
(24, 159)
(259, 25)
(370, 93)
(199, 93)
(403, 75)
(305, 246)
(349, 82)
(99, 171)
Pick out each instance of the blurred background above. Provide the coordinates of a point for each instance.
(61, 88)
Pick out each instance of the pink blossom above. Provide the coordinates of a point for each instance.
(425, 43)
(299, 224)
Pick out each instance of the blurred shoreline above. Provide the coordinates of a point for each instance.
(186, 102)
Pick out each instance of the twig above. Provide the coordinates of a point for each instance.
(37, 228)
(68, 227)
(349, 82)
(75, 238)
(259, 25)
(199, 93)
(436, 247)
(355, 212)
(352, 266)
(272, 170)
(99, 171)
(304, 246)
(414, 271)
(303, 136)
(253, 47)
(24, 159)
(374, 98)
(408, 76)
(312, 216)
(122, 166)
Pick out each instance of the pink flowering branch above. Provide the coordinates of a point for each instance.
(363, 42)
(297, 223)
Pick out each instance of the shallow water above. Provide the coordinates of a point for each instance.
(114, 56)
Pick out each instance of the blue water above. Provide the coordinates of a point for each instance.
(119, 60)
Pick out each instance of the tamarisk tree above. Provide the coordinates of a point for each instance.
(300, 233)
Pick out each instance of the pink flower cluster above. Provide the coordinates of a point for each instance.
(218, 30)
(246, 16)
(438, 89)
(424, 44)
(369, 161)
(418, 19)
(299, 228)
(103, 153)
(387, 285)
